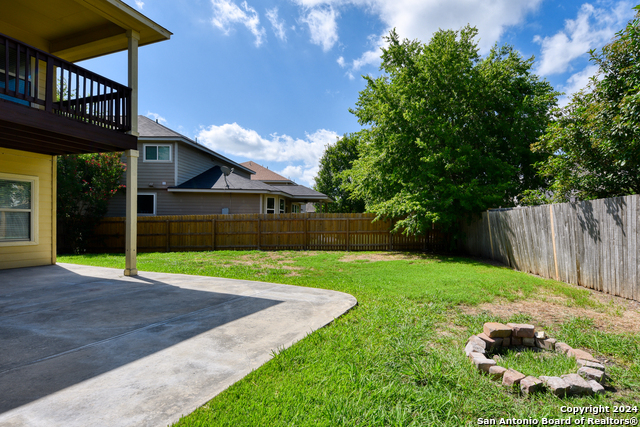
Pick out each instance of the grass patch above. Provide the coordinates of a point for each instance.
(397, 358)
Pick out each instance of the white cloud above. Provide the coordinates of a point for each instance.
(419, 19)
(301, 174)
(140, 4)
(575, 83)
(226, 13)
(341, 62)
(370, 57)
(157, 117)
(322, 26)
(277, 24)
(591, 29)
(233, 139)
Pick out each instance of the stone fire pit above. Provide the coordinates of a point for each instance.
(495, 336)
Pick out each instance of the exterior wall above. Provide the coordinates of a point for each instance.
(42, 251)
(192, 203)
(192, 162)
(156, 172)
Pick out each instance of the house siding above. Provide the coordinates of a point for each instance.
(150, 172)
(41, 166)
(169, 203)
(192, 162)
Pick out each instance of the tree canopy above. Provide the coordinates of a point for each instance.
(335, 165)
(592, 148)
(86, 183)
(449, 132)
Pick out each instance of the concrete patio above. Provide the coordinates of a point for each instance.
(87, 346)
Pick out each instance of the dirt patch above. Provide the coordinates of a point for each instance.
(623, 316)
(385, 256)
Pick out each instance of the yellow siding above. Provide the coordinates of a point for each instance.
(42, 166)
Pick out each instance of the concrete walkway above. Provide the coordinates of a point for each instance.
(87, 346)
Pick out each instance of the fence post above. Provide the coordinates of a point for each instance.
(348, 245)
(213, 234)
(490, 236)
(553, 241)
(306, 233)
(168, 236)
(259, 233)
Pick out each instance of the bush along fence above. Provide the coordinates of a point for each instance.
(309, 231)
(592, 244)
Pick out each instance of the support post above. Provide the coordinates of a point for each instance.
(131, 227)
(168, 236)
(348, 237)
(259, 234)
(553, 242)
(134, 38)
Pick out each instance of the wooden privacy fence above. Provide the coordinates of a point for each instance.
(592, 244)
(310, 231)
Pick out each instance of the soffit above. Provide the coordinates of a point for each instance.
(77, 29)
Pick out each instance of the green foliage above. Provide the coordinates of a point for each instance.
(592, 148)
(334, 172)
(86, 183)
(450, 132)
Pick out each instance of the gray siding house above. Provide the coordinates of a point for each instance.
(178, 176)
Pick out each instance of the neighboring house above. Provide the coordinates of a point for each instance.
(178, 176)
(49, 106)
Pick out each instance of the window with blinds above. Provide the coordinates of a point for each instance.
(17, 206)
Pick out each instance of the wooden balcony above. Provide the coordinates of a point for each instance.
(51, 106)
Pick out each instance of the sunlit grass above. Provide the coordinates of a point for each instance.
(396, 359)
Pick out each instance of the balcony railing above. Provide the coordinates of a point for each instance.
(34, 78)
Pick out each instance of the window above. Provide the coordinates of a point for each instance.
(271, 205)
(295, 208)
(146, 204)
(157, 153)
(281, 205)
(18, 209)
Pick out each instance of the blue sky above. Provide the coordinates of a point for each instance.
(272, 81)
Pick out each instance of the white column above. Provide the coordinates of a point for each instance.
(131, 226)
(131, 234)
(133, 37)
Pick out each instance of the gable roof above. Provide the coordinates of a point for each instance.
(264, 174)
(212, 180)
(150, 130)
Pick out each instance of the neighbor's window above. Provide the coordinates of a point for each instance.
(281, 205)
(156, 153)
(18, 208)
(146, 204)
(271, 205)
(295, 208)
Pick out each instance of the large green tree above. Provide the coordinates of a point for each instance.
(593, 145)
(334, 173)
(86, 183)
(449, 132)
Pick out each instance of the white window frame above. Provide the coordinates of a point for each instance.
(144, 153)
(266, 205)
(282, 205)
(35, 194)
(295, 208)
(155, 204)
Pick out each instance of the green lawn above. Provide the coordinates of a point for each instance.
(397, 358)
